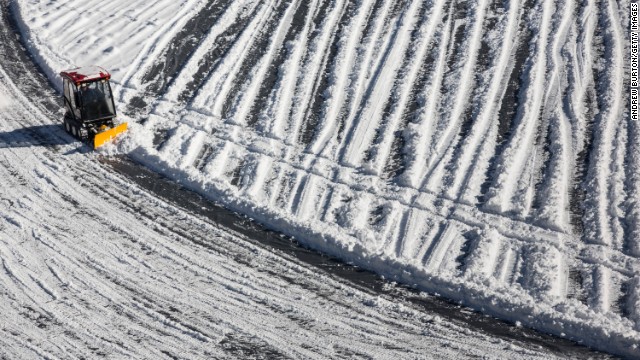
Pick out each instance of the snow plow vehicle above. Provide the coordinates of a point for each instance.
(90, 110)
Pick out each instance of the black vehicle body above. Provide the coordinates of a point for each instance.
(89, 107)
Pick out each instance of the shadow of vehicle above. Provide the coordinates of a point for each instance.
(40, 135)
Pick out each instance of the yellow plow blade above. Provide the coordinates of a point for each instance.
(106, 136)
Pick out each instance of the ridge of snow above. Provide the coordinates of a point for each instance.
(516, 253)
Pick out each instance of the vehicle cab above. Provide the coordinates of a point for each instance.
(88, 101)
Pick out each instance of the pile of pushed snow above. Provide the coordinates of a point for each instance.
(377, 134)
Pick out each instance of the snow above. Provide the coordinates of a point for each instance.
(477, 152)
(4, 101)
(93, 265)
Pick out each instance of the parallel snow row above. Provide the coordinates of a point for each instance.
(482, 141)
(475, 104)
(447, 239)
(504, 117)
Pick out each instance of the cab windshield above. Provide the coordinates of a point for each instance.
(97, 101)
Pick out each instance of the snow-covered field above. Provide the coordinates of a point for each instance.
(94, 266)
(478, 149)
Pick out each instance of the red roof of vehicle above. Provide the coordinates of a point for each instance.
(85, 74)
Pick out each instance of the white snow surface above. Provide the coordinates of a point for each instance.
(93, 266)
(481, 150)
(4, 101)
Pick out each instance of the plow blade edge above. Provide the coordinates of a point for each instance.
(106, 136)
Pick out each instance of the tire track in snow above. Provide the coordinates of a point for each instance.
(545, 184)
(551, 198)
(193, 55)
(336, 85)
(511, 100)
(303, 127)
(583, 100)
(486, 69)
(430, 115)
(370, 35)
(328, 99)
(370, 116)
(600, 210)
(450, 123)
(389, 141)
(279, 109)
(376, 34)
(221, 39)
(402, 147)
(158, 78)
(163, 44)
(421, 132)
(273, 77)
(316, 58)
(215, 93)
(314, 116)
(258, 63)
(475, 153)
(519, 152)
